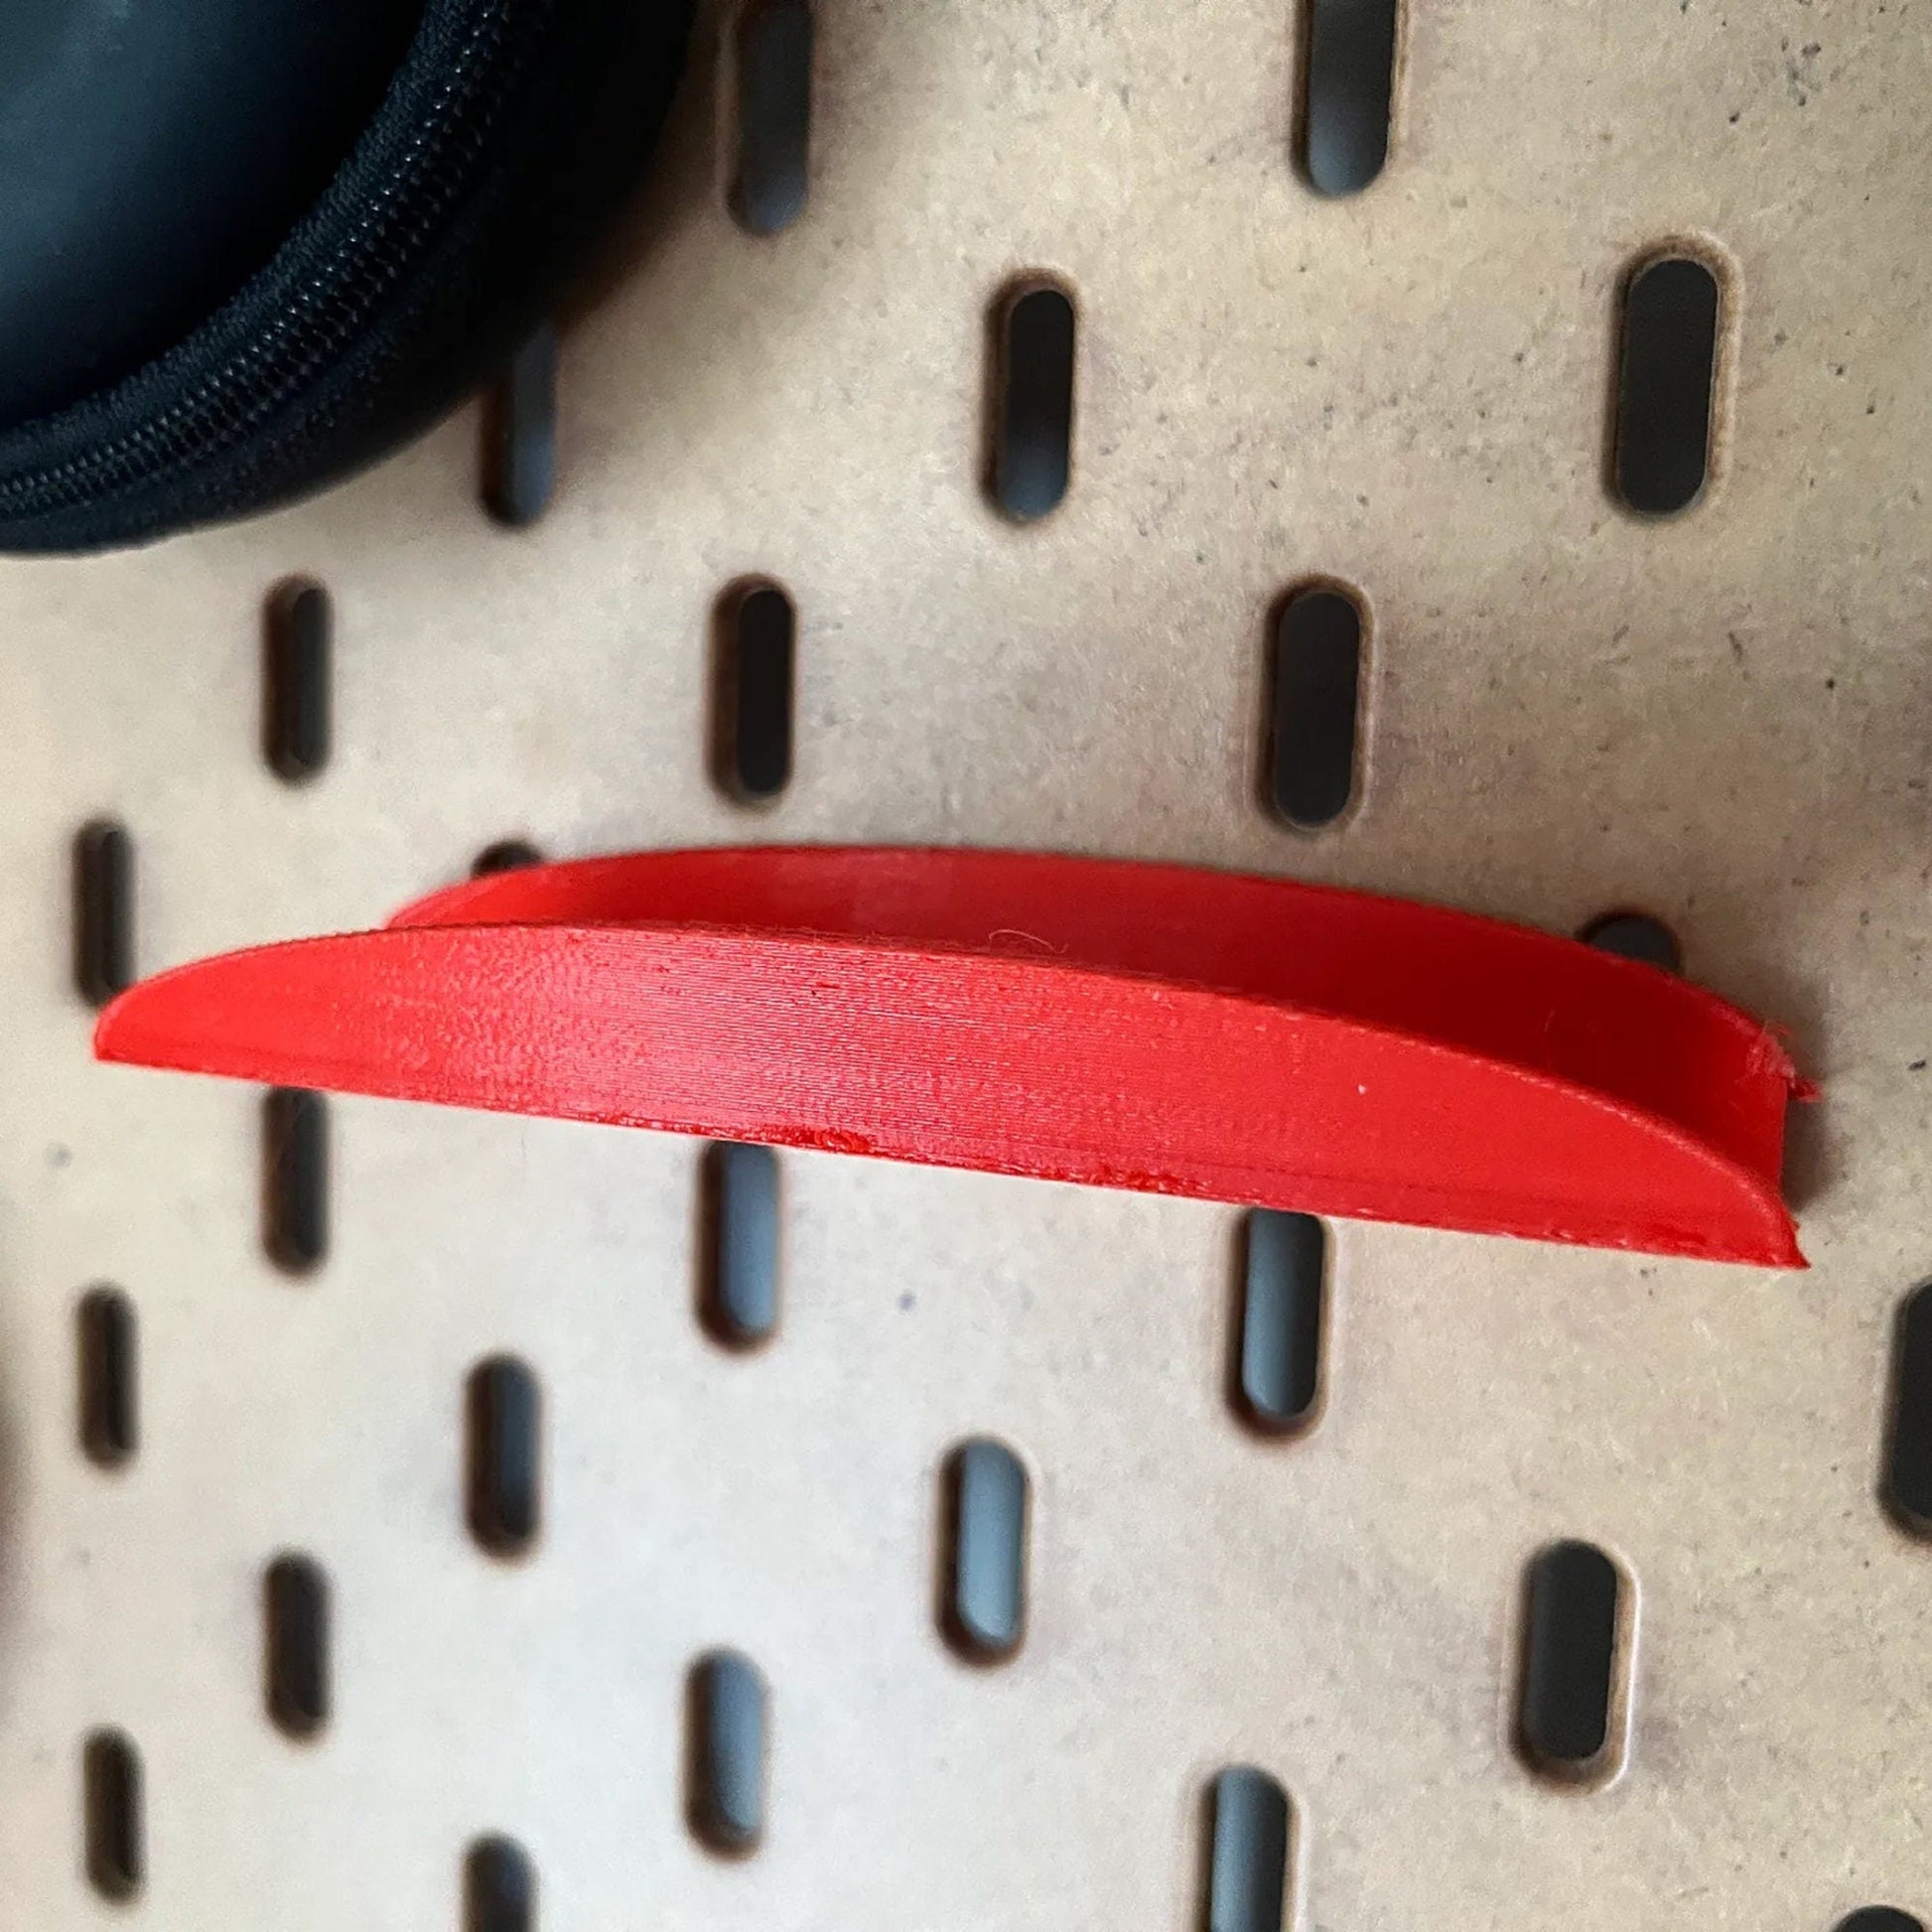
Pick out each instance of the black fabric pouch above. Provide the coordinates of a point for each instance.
(490, 142)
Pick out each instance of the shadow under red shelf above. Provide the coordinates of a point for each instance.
(1152, 1026)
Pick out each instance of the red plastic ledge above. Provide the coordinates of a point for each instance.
(1131, 1025)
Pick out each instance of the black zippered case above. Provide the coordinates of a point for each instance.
(511, 130)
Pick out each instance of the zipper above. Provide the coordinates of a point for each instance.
(330, 305)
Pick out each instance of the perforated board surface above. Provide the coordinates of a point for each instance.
(1721, 718)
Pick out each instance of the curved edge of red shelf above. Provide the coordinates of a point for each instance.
(1160, 1028)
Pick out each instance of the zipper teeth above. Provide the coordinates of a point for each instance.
(329, 305)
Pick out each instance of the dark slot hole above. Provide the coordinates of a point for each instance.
(506, 854)
(725, 1771)
(1277, 1348)
(1879, 1918)
(103, 910)
(109, 1408)
(503, 1417)
(1349, 91)
(520, 432)
(295, 1608)
(499, 1887)
(1571, 1639)
(1250, 1823)
(295, 1158)
(739, 1296)
(1908, 1471)
(111, 1777)
(774, 115)
(297, 712)
(756, 631)
(1314, 704)
(1032, 401)
(984, 1605)
(1635, 935)
(1664, 384)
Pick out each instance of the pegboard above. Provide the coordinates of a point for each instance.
(1717, 718)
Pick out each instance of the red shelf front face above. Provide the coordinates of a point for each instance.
(1147, 1026)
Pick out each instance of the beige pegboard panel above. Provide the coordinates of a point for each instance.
(1722, 719)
